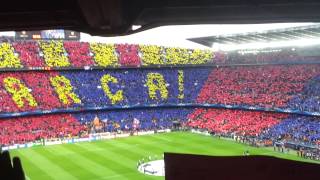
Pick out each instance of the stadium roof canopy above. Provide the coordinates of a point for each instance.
(117, 17)
(291, 34)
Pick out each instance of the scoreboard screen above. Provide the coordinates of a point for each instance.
(47, 35)
(52, 34)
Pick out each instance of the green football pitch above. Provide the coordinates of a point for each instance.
(117, 158)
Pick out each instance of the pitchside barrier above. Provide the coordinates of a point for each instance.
(92, 137)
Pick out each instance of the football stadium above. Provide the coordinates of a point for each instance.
(73, 109)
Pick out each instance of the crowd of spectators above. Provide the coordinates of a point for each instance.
(78, 53)
(293, 87)
(36, 128)
(35, 90)
(268, 56)
(281, 55)
(29, 129)
(309, 153)
(28, 91)
(135, 119)
(54, 54)
(35, 54)
(294, 131)
(28, 53)
(302, 130)
(128, 54)
(135, 87)
(263, 86)
(236, 122)
(8, 58)
(276, 127)
(309, 98)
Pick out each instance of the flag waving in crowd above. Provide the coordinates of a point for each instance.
(135, 123)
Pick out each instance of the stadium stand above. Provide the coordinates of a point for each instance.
(149, 119)
(266, 86)
(74, 54)
(296, 129)
(236, 122)
(283, 55)
(128, 55)
(285, 86)
(28, 129)
(26, 91)
(28, 53)
(168, 89)
(308, 99)
(278, 127)
(78, 53)
(35, 128)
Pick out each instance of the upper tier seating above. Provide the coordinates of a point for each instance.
(50, 90)
(286, 86)
(75, 54)
(295, 87)
(264, 86)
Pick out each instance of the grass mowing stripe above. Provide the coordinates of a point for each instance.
(117, 160)
(88, 160)
(184, 144)
(107, 152)
(60, 161)
(137, 150)
(68, 163)
(172, 146)
(133, 148)
(30, 168)
(160, 147)
(128, 153)
(169, 146)
(53, 170)
(206, 147)
(151, 148)
(110, 163)
(102, 172)
(217, 146)
(187, 147)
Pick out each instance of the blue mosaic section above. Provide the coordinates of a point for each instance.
(309, 99)
(148, 118)
(302, 129)
(87, 86)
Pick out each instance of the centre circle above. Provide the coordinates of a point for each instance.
(154, 168)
